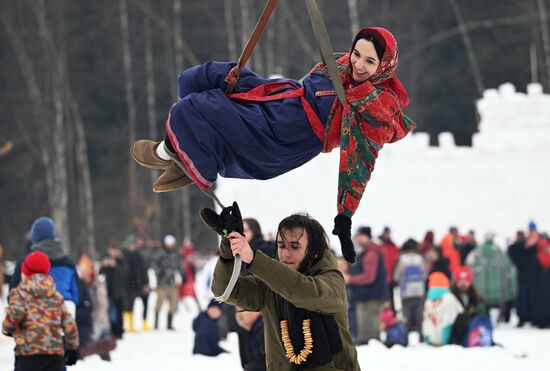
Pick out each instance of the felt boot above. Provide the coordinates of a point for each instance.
(173, 178)
(144, 153)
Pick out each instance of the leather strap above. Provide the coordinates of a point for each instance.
(234, 73)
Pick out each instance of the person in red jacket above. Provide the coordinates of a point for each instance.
(368, 287)
(391, 255)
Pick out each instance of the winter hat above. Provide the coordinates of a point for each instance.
(36, 262)
(410, 245)
(489, 236)
(387, 318)
(214, 303)
(169, 240)
(42, 229)
(438, 279)
(464, 273)
(364, 231)
(532, 226)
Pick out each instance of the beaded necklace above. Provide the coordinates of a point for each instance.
(289, 349)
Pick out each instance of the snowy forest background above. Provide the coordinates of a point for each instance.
(81, 80)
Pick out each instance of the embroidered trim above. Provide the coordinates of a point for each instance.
(324, 93)
(197, 177)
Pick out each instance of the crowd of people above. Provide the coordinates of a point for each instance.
(442, 290)
(451, 292)
(98, 296)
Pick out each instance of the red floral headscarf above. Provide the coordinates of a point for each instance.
(385, 75)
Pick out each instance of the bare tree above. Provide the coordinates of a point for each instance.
(270, 49)
(246, 28)
(178, 55)
(130, 103)
(178, 40)
(353, 16)
(446, 34)
(58, 195)
(545, 37)
(85, 193)
(230, 30)
(305, 45)
(66, 108)
(68, 104)
(151, 115)
(472, 59)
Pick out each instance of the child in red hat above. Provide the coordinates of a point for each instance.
(38, 320)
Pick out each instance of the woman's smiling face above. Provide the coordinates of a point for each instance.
(364, 60)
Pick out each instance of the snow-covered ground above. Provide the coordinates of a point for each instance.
(522, 349)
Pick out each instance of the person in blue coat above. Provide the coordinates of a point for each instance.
(207, 331)
(63, 270)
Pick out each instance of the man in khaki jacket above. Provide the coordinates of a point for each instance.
(301, 296)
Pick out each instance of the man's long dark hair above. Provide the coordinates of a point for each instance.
(317, 238)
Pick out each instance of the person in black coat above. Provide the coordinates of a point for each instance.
(84, 315)
(252, 348)
(207, 331)
(436, 262)
(468, 245)
(137, 284)
(524, 257)
(115, 270)
(254, 236)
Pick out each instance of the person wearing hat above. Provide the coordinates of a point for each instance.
(440, 310)
(396, 331)
(168, 271)
(524, 257)
(207, 331)
(63, 270)
(368, 286)
(465, 291)
(39, 321)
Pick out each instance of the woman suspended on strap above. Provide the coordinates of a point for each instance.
(266, 128)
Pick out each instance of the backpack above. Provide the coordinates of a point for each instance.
(413, 281)
(480, 332)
